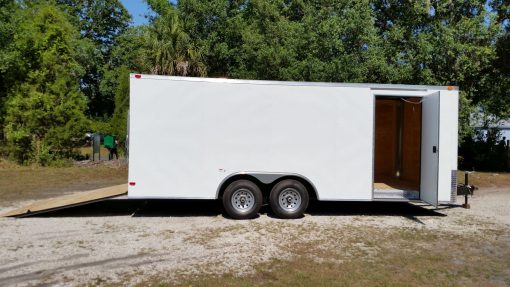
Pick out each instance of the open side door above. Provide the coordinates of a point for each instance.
(430, 149)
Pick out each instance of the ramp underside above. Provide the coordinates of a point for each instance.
(75, 199)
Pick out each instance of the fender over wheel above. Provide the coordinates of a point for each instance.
(289, 199)
(242, 199)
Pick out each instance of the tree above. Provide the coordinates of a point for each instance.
(127, 50)
(341, 44)
(498, 102)
(120, 115)
(287, 40)
(167, 49)
(101, 22)
(7, 9)
(441, 43)
(45, 110)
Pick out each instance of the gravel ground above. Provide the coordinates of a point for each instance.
(105, 244)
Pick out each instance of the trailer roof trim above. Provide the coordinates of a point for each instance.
(372, 86)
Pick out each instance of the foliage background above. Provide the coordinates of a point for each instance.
(64, 64)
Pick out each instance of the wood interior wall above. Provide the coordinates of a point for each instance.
(412, 142)
(386, 142)
(385, 138)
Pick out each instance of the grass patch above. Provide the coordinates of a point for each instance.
(26, 183)
(486, 180)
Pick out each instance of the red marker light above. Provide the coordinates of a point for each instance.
(138, 76)
(132, 183)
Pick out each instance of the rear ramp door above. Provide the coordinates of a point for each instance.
(71, 200)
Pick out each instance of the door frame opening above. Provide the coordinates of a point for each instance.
(397, 159)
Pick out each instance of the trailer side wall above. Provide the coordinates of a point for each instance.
(186, 137)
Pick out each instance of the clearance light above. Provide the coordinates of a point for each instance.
(138, 76)
(450, 88)
(132, 183)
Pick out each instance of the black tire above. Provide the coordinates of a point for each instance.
(289, 199)
(242, 199)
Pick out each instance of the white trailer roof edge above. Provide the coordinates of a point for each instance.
(295, 83)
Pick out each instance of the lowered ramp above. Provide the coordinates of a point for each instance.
(75, 199)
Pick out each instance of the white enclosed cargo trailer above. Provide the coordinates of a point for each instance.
(249, 142)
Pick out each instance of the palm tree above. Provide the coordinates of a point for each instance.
(168, 49)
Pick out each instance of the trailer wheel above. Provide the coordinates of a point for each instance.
(242, 199)
(289, 199)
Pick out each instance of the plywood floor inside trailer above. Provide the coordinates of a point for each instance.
(395, 189)
(391, 183)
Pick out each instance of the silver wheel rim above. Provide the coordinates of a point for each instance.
(243, 200)
(289, 199)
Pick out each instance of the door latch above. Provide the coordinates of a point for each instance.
(434, 149)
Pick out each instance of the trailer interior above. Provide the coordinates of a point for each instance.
(397, 149)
